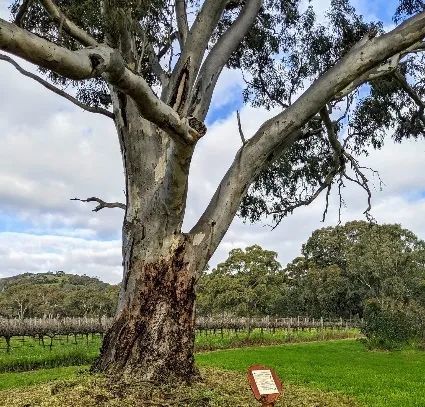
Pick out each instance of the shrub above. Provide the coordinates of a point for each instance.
(390, 325)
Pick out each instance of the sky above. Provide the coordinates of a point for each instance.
(52, 151)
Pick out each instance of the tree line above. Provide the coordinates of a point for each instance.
(340, 271)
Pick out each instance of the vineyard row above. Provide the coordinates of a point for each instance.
(51, 327)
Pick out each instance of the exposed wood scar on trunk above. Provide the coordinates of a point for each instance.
(153, 335)
(180, 92)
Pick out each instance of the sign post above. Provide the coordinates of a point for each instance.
(265, 385)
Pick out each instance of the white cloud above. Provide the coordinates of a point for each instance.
(21, 252)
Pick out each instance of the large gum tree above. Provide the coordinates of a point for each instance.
(152, 66)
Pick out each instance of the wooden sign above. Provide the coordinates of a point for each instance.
(265, 385)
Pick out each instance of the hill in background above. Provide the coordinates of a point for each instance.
(55, 294)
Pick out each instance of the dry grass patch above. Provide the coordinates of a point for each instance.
(218, 389)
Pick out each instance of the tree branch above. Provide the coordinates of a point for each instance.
(101, 204)
(240, 128)
(340, 156)
(408, 89)
(182, 24)
(56, 90)
(64, 22)
(187, 66)
(381, 70)
(375, 73)
(107, 63)
(167, 45)
(22, 12)
(157, 69)
(337, 167)
(280, 132)
(219, 56)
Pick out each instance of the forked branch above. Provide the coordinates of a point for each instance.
(279, 133)
(389, 66)
(219, 56)
(101, 203)
(340, 157)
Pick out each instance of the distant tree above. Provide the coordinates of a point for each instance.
(56, 295)
(250, 282)
(390, 324)
(343, 266)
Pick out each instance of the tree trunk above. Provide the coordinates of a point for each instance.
(153, 333)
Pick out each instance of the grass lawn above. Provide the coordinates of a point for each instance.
(24, 379)
(30, 354)
(331, 373)
(231, 339)
(376, 379)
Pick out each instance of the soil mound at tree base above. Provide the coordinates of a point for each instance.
(218, 388)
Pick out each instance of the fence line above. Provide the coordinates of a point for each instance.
(37, 327)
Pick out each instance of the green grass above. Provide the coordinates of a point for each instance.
(31, 354)
(25, 379)
(230, 339)
(376, 379)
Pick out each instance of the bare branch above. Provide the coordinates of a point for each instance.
(408, 89)
(240, 127)
(182, 24)
(187, 66)
(164, 49)
(340, 155)
(218, 57)
(56, 90)
(22, 12)
(332, 137)
(64, 22)
(101, 204)
(362, 181)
